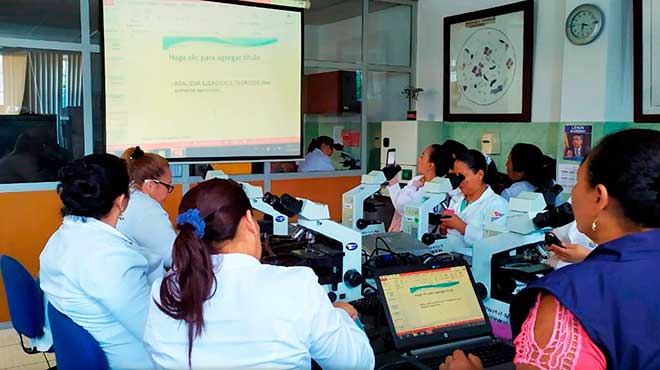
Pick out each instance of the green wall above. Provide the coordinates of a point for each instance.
(548, 136)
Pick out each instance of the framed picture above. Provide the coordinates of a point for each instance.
(488, 64)
(646, 15)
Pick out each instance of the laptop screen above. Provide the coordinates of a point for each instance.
(432, 306)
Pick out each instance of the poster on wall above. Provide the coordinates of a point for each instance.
(488, 64)
(647, 60)
(577, 142)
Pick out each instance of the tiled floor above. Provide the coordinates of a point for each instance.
(12, 356)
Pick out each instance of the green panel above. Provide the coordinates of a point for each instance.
(430, 133)
(543, 135)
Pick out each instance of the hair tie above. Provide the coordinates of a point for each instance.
(489, 160)
(192, 217)
(137, 153)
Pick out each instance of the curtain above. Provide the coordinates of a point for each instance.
(13, 80)
(54, 81)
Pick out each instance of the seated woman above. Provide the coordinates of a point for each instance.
(529, 169)
(220, 308)
(145, 221)
(319, 154)
(89, 271)
(433, 162)
(601, 313)
(475, 206)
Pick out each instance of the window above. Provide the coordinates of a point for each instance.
(41, 127)
(2, 84)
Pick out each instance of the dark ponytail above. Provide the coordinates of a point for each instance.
(441, 158)
(317, 142)
(209, 215)
(476, 162)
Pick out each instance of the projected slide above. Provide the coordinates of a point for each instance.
(197, 79)
(425, 301)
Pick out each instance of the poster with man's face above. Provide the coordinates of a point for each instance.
(577, 142)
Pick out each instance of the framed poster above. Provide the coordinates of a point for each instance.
(488, 64)
(577, 142)
(646, 15)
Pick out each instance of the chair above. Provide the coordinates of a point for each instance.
(25, 301)
(75, 348)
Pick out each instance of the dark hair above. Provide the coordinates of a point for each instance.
(441, 158)
(627, 163)
(144, 166)
(537, 168)
(221, 205)
(89, 186)
(317, 142)
(476, 161)
(455, 148)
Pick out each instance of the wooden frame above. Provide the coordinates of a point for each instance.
(481, 102)
(640, 100)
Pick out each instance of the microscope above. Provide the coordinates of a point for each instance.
(280, 222)
(353, 204)
(512, 256)
(331, 249)
(420, 213)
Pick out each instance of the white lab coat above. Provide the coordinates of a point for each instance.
(490, 208)
(260, 317)
(316, 161)
(148, 226)
(400, 198)
(90, 272)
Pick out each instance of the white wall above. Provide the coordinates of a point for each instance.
(570, 83)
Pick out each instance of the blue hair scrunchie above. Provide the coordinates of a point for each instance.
(192, 217)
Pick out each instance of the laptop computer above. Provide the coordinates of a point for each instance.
(432, 310)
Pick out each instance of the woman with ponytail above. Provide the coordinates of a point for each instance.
(220, 308)
(145, 221)
(318, 155)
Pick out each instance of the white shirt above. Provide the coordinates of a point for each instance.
(316, 161)
(401, 197)
(148, 226)
(261, 317)
(90, 272)
(490, 208)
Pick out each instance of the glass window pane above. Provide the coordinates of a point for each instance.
(98, 99)
(41, 20)
(41, 116)
(386, 103)
(333, 31)
(94, 22)
(332, 105)
(389, 28)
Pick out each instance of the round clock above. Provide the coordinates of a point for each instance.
(584, 24)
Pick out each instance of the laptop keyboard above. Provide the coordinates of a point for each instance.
(491, 354)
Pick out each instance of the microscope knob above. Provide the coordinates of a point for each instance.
(352, 278)
(430, 238)
(482, 291)
(332, 296)
(361, 223)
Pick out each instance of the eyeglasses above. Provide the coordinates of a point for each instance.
(170, 187)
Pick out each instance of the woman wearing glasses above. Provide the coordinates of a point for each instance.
(145, 221)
